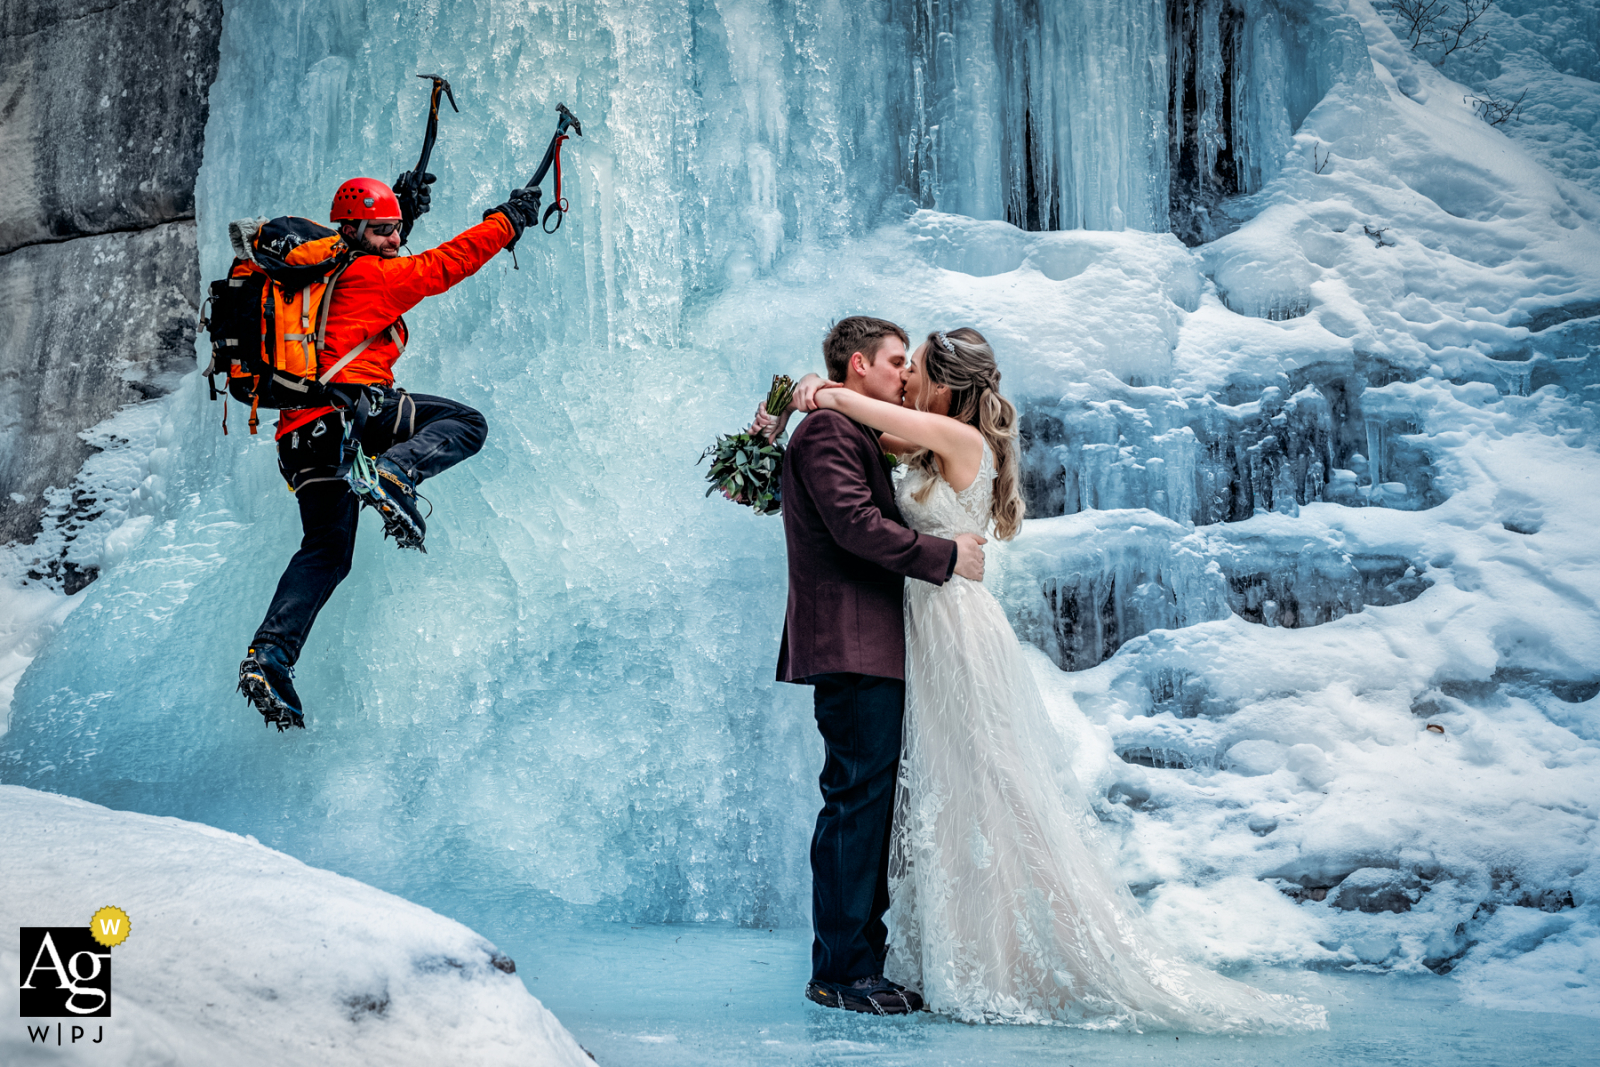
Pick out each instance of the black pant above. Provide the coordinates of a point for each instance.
(860, 717)
(423, 435)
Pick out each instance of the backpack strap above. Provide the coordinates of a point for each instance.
(322, 328)
(348, 357)
(308, 340)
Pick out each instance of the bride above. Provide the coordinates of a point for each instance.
(1004, 905)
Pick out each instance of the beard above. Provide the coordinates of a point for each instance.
(365, 244)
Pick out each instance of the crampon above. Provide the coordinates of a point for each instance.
(256, 683)
(392, 499)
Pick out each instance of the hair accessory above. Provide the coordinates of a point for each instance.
(944, 342)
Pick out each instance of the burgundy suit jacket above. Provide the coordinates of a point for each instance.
(849, 554)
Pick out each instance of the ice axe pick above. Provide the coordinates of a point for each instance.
(552, 155)
(440, 85)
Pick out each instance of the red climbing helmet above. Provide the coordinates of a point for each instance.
(364, 198)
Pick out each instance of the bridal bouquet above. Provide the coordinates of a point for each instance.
(746, 467)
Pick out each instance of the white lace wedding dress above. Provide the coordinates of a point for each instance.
(1004, 906)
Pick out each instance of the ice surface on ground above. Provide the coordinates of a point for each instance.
(239, 954)
(1310, 488)
(621, 990)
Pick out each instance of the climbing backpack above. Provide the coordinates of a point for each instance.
(268, 317)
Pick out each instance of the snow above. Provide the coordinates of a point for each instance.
(1551, 52)
(1303, 755)
(1299, 492)
(240, 954)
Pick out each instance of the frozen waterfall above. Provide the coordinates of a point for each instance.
(1307, 357)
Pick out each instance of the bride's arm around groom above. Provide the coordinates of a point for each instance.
(848, 549)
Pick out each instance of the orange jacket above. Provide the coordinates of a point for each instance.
(374, 292)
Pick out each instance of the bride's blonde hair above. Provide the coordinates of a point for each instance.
(962, 360)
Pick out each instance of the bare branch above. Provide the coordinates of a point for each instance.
(1431, 24)
(1418, 19)
(1460, 34)
(1493, 110)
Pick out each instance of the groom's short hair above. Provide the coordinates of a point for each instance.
(858, 333)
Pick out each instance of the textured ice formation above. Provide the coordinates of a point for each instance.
(243, 955)
(1410, 752)
(1105, 116)
(1081, 587)
(1375, 393)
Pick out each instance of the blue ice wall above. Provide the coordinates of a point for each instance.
(567, 703)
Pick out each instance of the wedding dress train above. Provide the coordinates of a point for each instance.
(1004, 905)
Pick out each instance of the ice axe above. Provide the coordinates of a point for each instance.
(552, 155)
(415, 179)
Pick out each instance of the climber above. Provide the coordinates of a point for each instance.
(323, 452)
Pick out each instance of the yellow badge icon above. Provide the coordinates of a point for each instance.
(109, 926)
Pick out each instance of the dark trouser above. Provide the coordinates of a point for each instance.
(859, 716)
(422, 435)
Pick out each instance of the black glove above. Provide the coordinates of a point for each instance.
(414, 195)
(522, 211)
(415, 199)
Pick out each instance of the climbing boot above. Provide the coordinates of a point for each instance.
(874, 995)
(265, 678)
(396, 501)
(381, 485)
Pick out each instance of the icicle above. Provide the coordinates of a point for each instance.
(1375, 464)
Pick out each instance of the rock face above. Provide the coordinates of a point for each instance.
(102, 124)
(96, 322)
(102, 114)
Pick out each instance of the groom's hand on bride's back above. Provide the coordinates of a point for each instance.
(969, 556)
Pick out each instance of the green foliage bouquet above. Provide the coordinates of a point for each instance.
(747, 468)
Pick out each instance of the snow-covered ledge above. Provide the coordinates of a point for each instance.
(241, 955)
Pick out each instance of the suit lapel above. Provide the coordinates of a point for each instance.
(878, 473)
(871, 435)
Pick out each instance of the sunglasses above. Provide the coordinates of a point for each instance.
(382, 229)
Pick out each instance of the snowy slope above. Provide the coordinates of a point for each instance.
(239, 954)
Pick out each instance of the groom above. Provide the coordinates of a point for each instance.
(844, 634)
